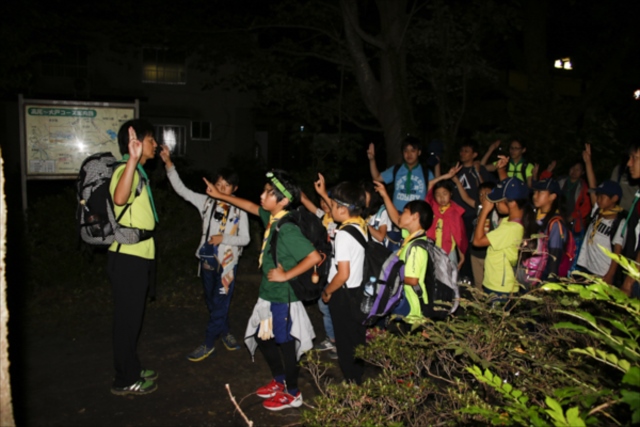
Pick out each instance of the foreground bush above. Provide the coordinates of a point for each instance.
(564, 355)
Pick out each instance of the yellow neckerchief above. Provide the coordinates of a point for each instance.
(443, 209)
(410, 237)
(440, 224)
(357, 220)
(267, 231)
(601, 214)
(326, 220)
(541, 215)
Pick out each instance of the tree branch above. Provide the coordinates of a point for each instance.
(356, 26)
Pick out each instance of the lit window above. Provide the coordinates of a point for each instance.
(201, 130)
(564, 64)
(163, 66)
(173, 137)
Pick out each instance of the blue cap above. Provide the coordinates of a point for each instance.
(550, 185)
(509, 189)
(608, 188)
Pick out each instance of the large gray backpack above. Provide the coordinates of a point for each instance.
(97, 224)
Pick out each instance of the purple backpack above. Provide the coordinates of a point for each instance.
(440, 282)
(388, 291)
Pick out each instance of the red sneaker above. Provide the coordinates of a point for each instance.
(270, 389)
(282, 401)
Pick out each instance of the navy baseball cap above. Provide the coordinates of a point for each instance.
(509, 189)
(550, 185)
(608, 188)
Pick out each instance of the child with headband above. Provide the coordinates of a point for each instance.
(279, 324)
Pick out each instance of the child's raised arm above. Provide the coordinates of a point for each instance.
(244, 204)
(373, 168)
(485, 158)
(452, 172)
(501, 167)
(394, 215)
(480, 234)
(591, 176)
(308, 204)
(463, 193)
(321, 189)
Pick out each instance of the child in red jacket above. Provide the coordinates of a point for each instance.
(447, 229)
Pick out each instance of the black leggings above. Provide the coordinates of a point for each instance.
(283, 361)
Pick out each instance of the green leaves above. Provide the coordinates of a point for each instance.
(570, 419)
(604, 357)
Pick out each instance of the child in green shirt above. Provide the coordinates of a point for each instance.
(279, 324)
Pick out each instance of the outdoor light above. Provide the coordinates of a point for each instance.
(563, 64)
(636, 94)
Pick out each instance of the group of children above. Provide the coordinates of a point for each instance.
(478, 221)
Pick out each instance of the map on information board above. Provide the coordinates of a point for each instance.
(59, 137)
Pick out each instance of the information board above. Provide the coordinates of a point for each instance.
(59, 135)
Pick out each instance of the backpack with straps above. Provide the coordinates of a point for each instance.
(530, 269)
(440, 281)
(521, 171)
(375, 255)
(309, 285)
(96, 221)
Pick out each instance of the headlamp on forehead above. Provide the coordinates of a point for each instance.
(341, 203)
(276, 183)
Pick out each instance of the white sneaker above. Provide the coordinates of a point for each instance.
(325, 345)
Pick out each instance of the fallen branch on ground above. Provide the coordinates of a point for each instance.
(233, 399)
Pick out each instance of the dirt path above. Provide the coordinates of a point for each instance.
(66, 371)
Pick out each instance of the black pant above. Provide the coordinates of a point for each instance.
(349, 331)
(130, 276)
(282, 361)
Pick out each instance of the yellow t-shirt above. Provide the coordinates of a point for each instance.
(415, 266)
(138, 215)
(502, 255)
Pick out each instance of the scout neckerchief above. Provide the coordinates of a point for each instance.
(440, 225)
(601, 214)
(357, 220)
(267, 231)
(146, 178)
(326, 220)
(540, 215)
(407, 184)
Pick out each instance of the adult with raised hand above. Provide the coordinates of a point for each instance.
(131, 267)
